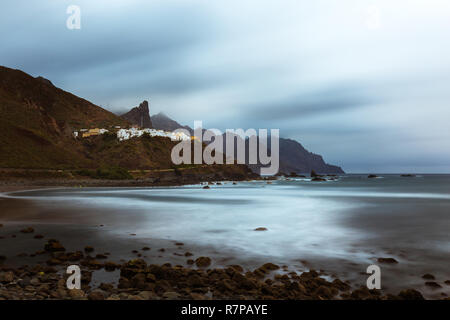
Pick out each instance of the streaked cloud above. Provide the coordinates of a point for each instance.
(373, 99)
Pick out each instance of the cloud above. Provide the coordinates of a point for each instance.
(312, 69)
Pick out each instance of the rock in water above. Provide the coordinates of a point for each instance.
(387, 260)
(27, 230)
(139, 116)
(411, 294)
(203, 262)
(261, 229)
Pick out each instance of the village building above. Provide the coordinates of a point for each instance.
(126, 134)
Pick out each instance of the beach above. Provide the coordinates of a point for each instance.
(335, 228)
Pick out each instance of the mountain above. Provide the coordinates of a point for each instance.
(139, 116)
(162, 122)
(293, 156)
(37, 120)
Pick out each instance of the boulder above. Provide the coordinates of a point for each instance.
(433, 285)
(6, 277)
(97, 295)
(203, 262)
(411, 294)
(53, 245)
(387, 260)
(27, 230)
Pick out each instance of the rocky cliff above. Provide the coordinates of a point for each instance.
(139, 116)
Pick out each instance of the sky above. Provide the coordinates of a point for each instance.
(364, 83)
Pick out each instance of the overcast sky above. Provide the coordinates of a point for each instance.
(364, 83)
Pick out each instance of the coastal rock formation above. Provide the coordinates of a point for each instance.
(139, 116)
(294, 157)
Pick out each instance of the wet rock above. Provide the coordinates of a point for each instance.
(6, 277)
(53, 245)
(86, 277)
(96, 295)
(188, 254)
(324, 292)
(94, 264)
(101, 256)
(147, 295)
(39, 236)
(237, 268)
(190, 262)
(138, 281)
(2, 258)
(411, 294)
(318, 179)
(88, 249)
(340, 285)
(75, 256)
(206, 187)
(433, 285)
(27, 230)
(261, 229)
(447, 282)
(53, 262)
(372, 176)
(124, 283)
(150, 277)
(270, 267)
(179, 244)
(170, 295)
(197, 296)
(108, 287)
(243, 282)
(76, 294)
(111, 266)
(387, 260)
(133, 267)
(428, 276)
(145, 248)
(203, 262)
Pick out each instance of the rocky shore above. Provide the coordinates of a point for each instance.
(138, 280)
(19, 179)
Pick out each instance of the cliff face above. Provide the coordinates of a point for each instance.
(293, 156)
(139, 116)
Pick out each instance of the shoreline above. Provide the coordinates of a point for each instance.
(187, 275)
(105, 260)
(24, 249)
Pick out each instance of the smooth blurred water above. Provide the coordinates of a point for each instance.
(353, 219)
(302, 217)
